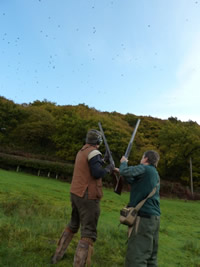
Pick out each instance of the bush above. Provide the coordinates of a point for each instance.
(58, 170)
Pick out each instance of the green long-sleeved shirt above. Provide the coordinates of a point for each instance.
(142, 178)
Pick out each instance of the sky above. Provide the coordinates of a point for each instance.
(130, 56)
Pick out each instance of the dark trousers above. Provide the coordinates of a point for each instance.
(143, 243)
(85, 214)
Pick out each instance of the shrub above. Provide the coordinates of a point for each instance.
(56, 170)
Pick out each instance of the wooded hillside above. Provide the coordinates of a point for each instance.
(44, 130)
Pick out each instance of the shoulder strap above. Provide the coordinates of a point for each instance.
(141, 203)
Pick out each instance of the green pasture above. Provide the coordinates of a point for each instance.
(34, 211)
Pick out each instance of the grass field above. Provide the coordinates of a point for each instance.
(34, 211)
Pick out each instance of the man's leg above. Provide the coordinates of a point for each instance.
(67, 234)
(140, 244)
(152, 262)
(89, 211)
(63, 243)
(83, 253)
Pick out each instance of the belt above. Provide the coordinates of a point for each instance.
(144, 215)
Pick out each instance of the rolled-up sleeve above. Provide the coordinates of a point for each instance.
(131, 173)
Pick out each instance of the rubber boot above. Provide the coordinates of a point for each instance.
(84, 252)
(63, 243)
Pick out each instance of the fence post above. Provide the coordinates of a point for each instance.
(191, 178)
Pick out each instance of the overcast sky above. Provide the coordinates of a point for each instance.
(130, 56)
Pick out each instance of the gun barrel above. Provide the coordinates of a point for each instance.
(128, 150)
(118, 180)
(106, 145)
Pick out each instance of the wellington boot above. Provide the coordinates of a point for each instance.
(63, 243)
(83, 253)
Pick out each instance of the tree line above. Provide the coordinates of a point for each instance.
(44, 130)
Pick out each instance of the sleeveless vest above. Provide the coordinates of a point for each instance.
(82, 178)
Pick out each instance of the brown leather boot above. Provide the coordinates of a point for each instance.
(83, 253)
(63, 243)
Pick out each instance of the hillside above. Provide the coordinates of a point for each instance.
(34, 210)
(44, 130)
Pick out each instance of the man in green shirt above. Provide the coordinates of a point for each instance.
(143, 241)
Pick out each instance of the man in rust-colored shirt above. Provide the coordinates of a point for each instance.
(86, 192)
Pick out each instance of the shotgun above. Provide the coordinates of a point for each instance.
(128, 150)
(117, 178)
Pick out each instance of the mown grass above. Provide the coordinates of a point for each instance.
(35, 210)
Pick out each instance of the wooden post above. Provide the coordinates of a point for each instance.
(191, 178)
(38, 173)
(48, 174)
(17, 170)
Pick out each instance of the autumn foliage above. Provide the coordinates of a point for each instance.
(45, 131)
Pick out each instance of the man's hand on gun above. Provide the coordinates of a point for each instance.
(123, 159)
(110, 168)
